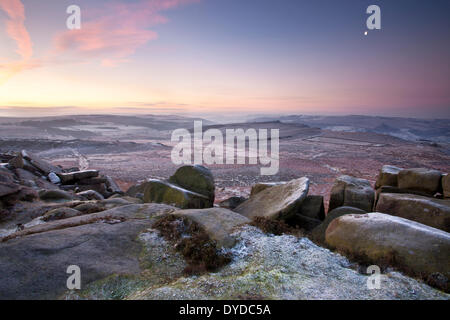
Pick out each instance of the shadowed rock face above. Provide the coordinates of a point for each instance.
(278, 202)
(429, 211)
(318, 233)
(352, 192)
(416, 248)
(420, 179)
(446, 185)
(388, 176)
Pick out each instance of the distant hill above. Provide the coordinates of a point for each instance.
(436, 130)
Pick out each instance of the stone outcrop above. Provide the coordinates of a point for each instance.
(198, 179)
(163, 192)
(429, 211)
(382, 239)
(279, 202)
(352, 192)
(420, 179)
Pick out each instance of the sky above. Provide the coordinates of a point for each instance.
(227, 57)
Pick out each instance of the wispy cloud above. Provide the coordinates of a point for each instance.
(115, 32)
(16, 30)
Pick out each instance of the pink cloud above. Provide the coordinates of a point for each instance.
(114, 33)
(16, 30)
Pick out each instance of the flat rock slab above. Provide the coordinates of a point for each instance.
(77, 176)
(429, 211)
(39, 163)
(278, 202)
(33, 266)
(218, 223)
(420, 179)
(416, 248)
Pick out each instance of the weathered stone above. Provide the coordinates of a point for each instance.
(415, 248)
(112, 186)
(218, 223)
(100, 188)
(25, 175)
(6, 176)
(429, 211)
(8, 189)
(103, 245)
(61, 213)
(90, 207)
(53, 177)
(71, 177)
(17, 162)
(256, 188)
(40, 164)
(352, 192)
(198, 179)
(164, 192)
(312, 207)
(388, 176)
(27, 194)
(90, 195)
(55, 195)
(278, 202)
(420, 179)
(318, 233)
(446, 185)
(232, 202)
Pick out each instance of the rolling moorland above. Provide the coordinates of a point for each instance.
(102, 194)
(134, 148)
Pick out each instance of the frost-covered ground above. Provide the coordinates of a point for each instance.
(286, 267)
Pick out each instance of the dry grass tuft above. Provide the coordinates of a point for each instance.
(199, 251)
